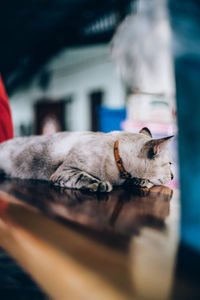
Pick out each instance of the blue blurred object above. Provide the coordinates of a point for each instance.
(110, 119)
(185, 20)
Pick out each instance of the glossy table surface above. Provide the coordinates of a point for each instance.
(78, 245)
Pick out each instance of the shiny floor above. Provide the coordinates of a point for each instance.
(78, 245)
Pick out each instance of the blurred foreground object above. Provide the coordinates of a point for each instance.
(6, 125)
(185, 20)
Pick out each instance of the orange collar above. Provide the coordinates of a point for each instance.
(123, 173)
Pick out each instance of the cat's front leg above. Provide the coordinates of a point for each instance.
(74, 178)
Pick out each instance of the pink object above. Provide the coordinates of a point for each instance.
(157, 128)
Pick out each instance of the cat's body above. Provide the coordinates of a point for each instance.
(83, 160)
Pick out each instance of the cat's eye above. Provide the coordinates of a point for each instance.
(170, 163)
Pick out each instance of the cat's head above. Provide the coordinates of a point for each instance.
(152, 160)
(157, 159)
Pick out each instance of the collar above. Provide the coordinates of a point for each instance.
(123, 173)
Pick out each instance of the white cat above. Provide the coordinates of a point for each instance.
(88, 160)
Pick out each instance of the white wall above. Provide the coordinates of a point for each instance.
(75, 72)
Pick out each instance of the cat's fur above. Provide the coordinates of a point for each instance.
(85, 160)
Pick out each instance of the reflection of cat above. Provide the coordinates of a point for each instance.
(112, 216)
(120, 211)
(88, 160)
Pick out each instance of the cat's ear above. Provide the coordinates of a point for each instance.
(154, 147)
(146, 131)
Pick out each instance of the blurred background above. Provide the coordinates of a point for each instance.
(87, 65)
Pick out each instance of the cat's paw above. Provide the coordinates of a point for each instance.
(144, 183)
(102, 186)
(149, 185)
(105, 186)
(58, 180)
(141, 183)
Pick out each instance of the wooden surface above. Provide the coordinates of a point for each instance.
(79, 245)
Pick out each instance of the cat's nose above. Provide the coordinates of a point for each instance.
(172, 176)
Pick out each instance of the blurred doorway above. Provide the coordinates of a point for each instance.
(49, 116)
(96, 100)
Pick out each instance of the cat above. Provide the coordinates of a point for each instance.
(93, 161)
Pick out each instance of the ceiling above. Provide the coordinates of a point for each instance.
(31, 32)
